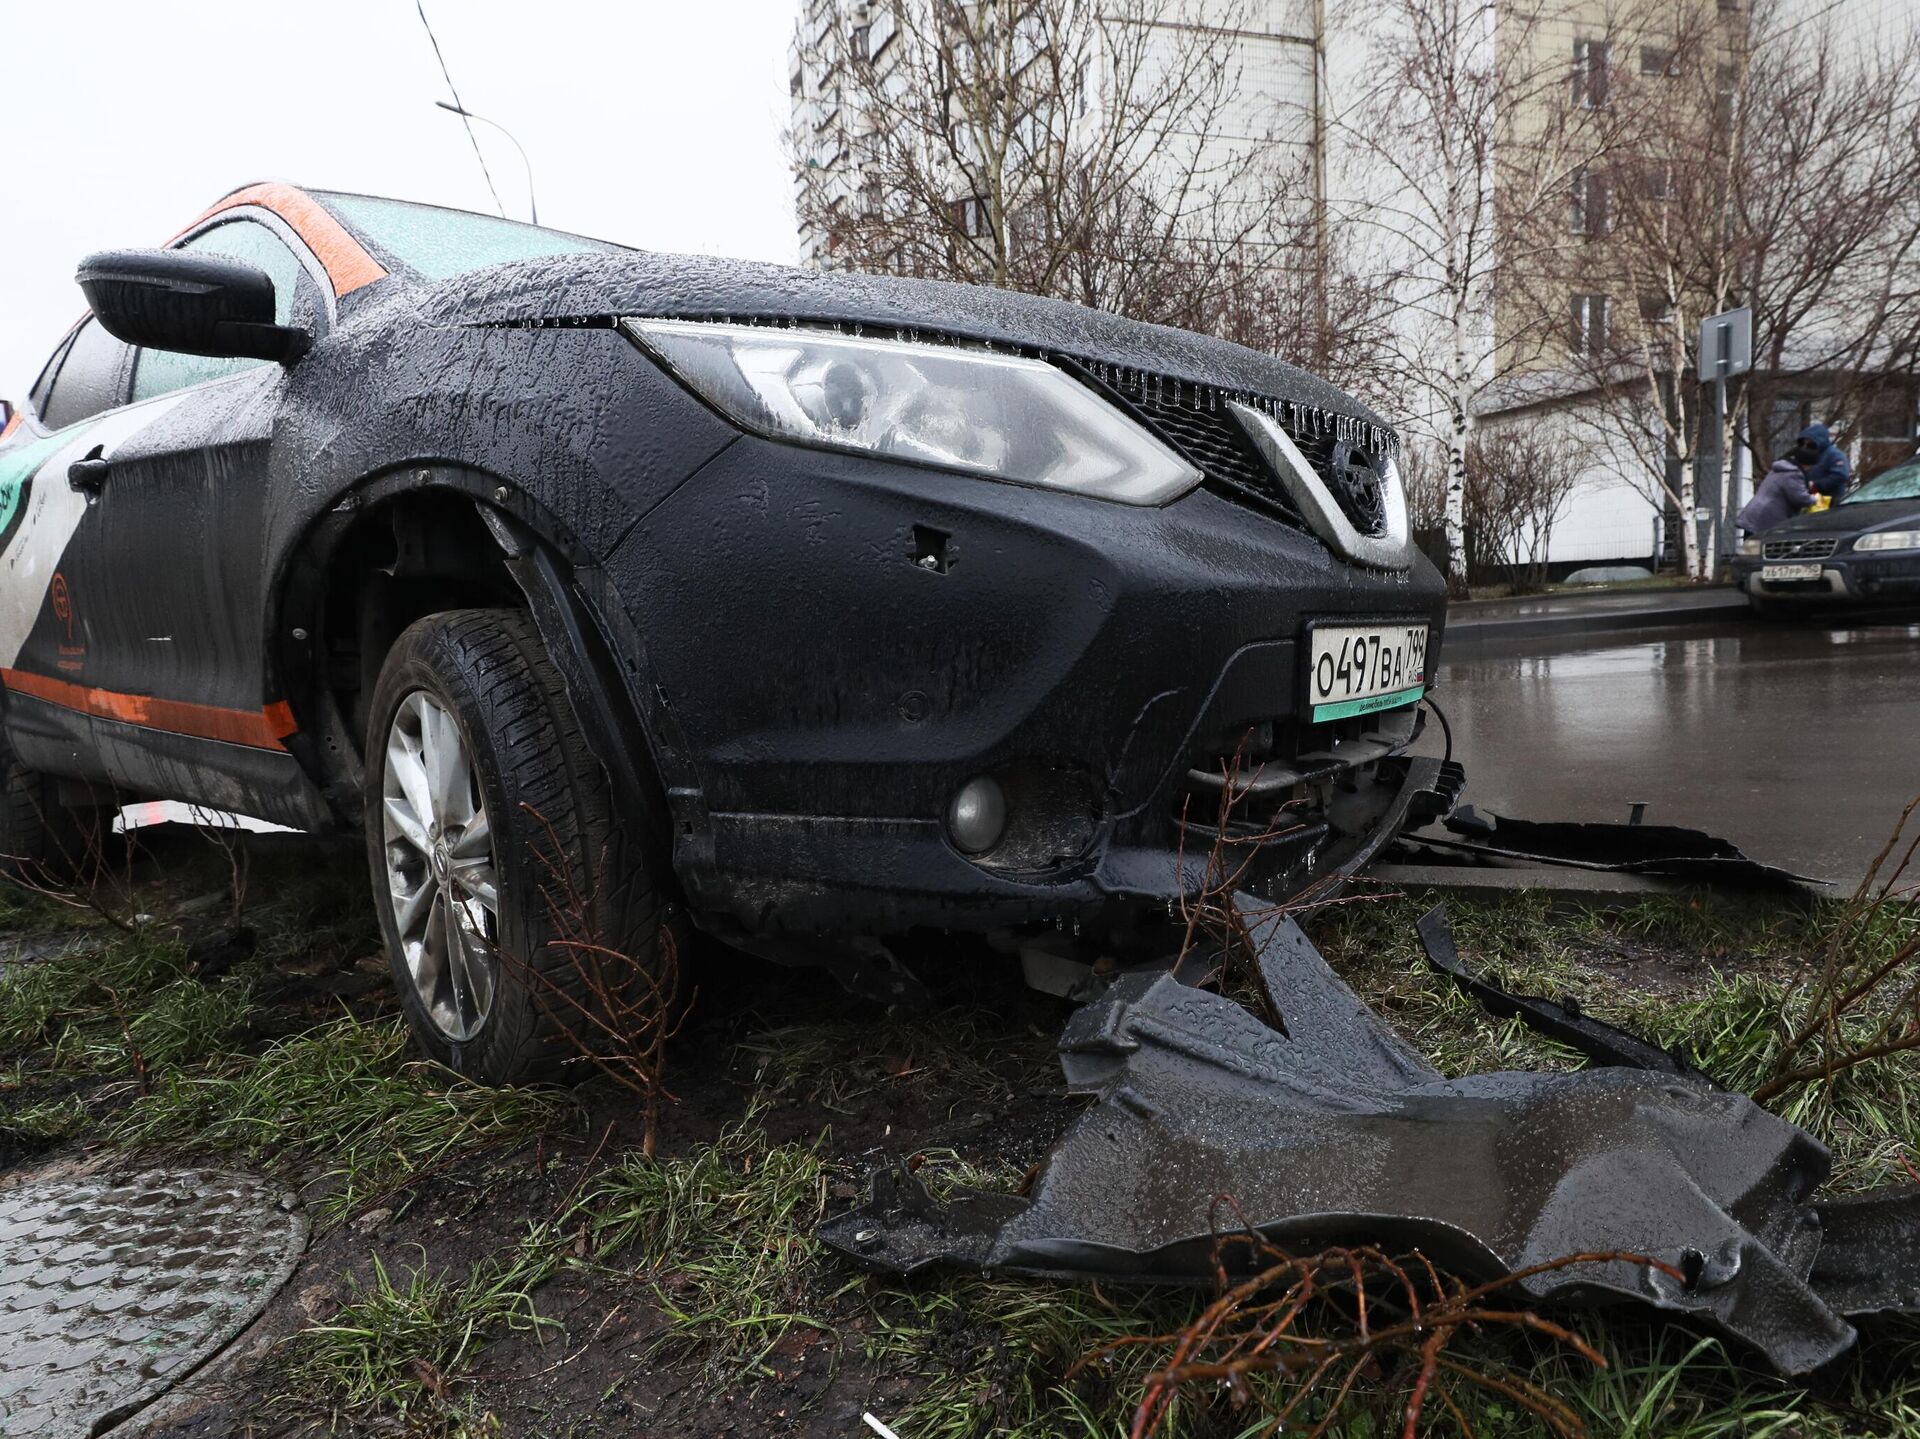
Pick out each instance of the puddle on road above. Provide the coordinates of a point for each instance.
(115, 1286)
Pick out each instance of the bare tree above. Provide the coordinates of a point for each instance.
(1520, 479)
(1435, 177)
(1109, 152)
(1754, 159)
(1826, 205)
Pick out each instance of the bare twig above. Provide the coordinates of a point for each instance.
(1265, 1324)
(1865, 1002)
(616, 1010)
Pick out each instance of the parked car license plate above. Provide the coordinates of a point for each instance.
(1789, 572)
(1357, 669)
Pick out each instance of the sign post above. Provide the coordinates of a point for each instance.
(1726, 350)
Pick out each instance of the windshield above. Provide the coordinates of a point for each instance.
(437, 243)
(1902, 482)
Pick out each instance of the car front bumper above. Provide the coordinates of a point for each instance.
(1845, 578)
(839, 644)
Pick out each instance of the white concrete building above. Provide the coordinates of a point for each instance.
(1272, 45)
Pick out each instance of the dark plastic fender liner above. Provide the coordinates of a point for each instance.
(1337, 1131)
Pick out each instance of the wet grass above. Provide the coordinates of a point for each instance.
(978, 1056)
(722, 1236)
(715, 1241)
(111, 1001)
(344, 1110)
(1735, 971)
(396, 1351)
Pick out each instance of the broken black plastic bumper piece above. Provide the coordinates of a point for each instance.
(1207, 1120)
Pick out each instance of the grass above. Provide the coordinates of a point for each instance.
(341, 1108)
(722, 1238)
(398, 1348)
(114, 1001)
(990, 1356)
(719, 1237)
(1726, 1015)
(723, 1235)
(978, 1056)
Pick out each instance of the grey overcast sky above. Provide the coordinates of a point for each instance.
(652, 122)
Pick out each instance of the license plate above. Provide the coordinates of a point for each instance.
(1789, 572)
(1357, 669)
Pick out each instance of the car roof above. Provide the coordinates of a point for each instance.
(348, 263)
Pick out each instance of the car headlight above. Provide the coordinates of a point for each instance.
(1001, 416)
(1889, 540)
(1749, 544)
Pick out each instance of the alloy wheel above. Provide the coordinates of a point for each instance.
(441, 876)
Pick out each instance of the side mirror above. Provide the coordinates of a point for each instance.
(194, 304)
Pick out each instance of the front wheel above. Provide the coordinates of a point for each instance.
(498, 860)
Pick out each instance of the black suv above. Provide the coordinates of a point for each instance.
(807, 606)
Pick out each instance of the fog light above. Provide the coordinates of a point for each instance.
(978, 815)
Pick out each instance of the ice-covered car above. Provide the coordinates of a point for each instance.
(1863, 551)
(803, 605)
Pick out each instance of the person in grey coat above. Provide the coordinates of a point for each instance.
(1783, 493)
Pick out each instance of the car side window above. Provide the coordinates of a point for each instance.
(160, 372)
(91, 378)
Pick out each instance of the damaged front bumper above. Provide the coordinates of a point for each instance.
(1326, 1128)
(1101, 665)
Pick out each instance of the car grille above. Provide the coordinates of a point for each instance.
(1195, 420)
(1810, 549)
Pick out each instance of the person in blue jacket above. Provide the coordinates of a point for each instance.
(1825, 463)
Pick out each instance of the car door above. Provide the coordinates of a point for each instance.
(75, 407)
(165, 578)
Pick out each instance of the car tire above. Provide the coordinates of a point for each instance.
(522, 808)
(42, 840)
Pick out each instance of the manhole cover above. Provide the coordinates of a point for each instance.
(114, 1286)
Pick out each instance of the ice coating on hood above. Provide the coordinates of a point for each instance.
(641, 283)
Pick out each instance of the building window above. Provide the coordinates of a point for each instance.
(1725, 91)
(969, 216)
(1657, 60)
(1656, 180)
(1656, 310)
(857, 42)
(1589, 333)
(1590, 74)
(1589, 212)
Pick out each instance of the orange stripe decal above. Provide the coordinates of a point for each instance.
(345, 260)
(13, 423)
(259, 729)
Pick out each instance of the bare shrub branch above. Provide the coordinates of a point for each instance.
(1328, 1321)
(1865, 1002)
(616, 1010)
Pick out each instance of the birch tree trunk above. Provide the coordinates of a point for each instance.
(1459, 432)
(1689, 527)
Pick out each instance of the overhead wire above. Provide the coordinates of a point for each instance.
(459, 107)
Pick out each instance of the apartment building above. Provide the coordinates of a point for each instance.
(843, 49)
(1658, 87)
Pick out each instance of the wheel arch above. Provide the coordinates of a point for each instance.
(423, 538)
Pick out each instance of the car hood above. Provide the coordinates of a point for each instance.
(1852, 519)
(640, 283)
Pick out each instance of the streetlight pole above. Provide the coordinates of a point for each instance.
(533, 210)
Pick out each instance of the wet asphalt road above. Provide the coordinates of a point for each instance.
(1799, 742)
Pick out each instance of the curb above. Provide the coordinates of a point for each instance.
(1468, 631)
